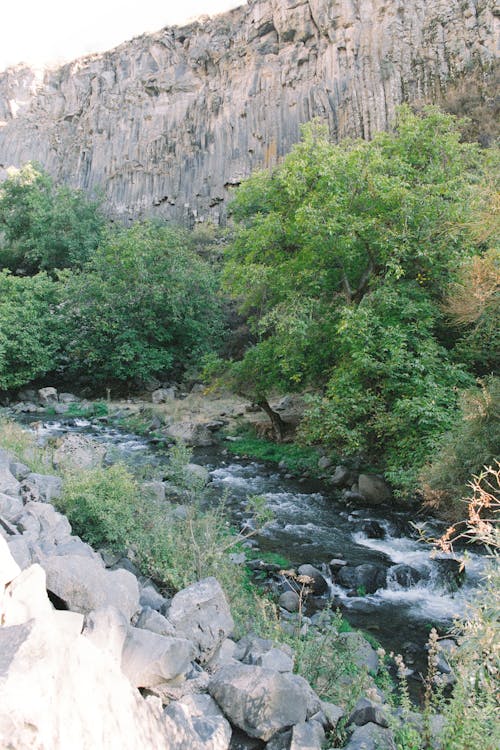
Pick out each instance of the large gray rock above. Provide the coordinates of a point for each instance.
(9, 569)
(362, 653)
(79, 451)
(164, 395)
(107, 629)
(47, 396)
(43, 487)
(193, 434)
(46, 663)
(150, 619)
(9, 485)
(84, 585)
(201, 613)
(259, 701)
(367, 578)
(43, 523)
(203, 113)
(149, 659)
(11, 508)
(367, 711)
(371, 737)
(196, 723)
(318, 583)
(309, 735)
(374, 489)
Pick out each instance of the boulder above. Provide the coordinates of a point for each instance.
(194, 434)
(197, 474)
(262, 652)
(365, 578)
(68, 398)
(150, 619)
(25, 597)
(324, 462)
(374, 489)
(402, 576)
(366, 711)
(149, 659)
(84, 585)
(196, 723)
(373, 530)
(362, 653)
(9, 485)
(107, 629)
(290, 601)
(155, 490)
(371, 737)
(47, 396)
(308, 735)
(44, 524)
(449, 572)
(11, 508)
(319, 584)
(201, 613)
(259, 701)
(164, 395)
(19, 470)
(43, 487)
(79, 451)
(9, 569)
(150, 597)
(341, 477)
(20, 551)
(46, 663)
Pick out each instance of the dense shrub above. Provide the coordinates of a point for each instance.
(145, 305)
(30, 330)
(45, 226)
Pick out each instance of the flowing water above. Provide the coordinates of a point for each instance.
(312, 525)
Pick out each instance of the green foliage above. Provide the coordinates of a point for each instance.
(146, 305)
(394, 390)
(340, 261)
(30, 334)
(296, 458)
(102, 505)
(45, 226)
(471, 443)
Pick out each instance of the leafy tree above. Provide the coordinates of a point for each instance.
(45, 226)
(340, 260)
(144, 305)
(30, 334)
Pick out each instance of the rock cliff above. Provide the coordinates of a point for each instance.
(165, 124)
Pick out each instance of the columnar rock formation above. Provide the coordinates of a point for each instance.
(167, 123)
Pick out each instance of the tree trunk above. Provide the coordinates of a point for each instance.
(279, 426)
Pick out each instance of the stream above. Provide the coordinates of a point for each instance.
(311, 524)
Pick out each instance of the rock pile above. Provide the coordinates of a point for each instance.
(78, 639)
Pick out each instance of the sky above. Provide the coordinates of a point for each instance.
(48, 32)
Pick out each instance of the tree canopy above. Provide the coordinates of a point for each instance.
(341, 259)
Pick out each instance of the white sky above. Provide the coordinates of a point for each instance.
(47, 32)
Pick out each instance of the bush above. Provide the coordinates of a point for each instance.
(30, 331)
(103, 506)
(462, 452)
(145, 306)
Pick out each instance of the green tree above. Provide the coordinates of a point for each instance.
(44, 226)
(30, 333)
(340, 260)
(145, 305)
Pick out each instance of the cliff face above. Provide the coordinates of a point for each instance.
(167, 123)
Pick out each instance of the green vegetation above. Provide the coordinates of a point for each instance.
(45, 226)
(296, 458)
(342, 261)
(145, 305)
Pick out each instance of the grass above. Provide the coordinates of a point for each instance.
(296, 459)
(82, 410)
